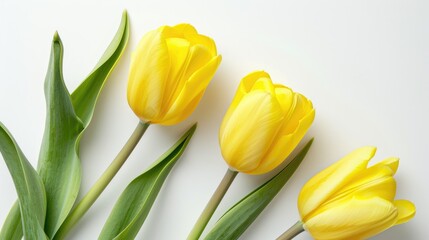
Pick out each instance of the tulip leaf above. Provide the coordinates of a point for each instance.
(238, 218)
(59, 165)
(85, 96)
(67, 118)
(135, 202)
(29, 186)
(12, 227)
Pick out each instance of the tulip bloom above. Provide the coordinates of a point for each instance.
(170, 70)
(349, 200)
(263, 125)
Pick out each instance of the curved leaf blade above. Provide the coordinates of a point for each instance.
(68, 118)
(239, 217)
(84, 99)
(135, 202)
(59, 165)
(85, 96)
(12, 227)
(29, 186)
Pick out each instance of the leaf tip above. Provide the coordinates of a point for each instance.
(125, 14)
(306, 147)
(56, 37)
(192, 129)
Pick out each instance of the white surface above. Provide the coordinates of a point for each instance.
(364, 64)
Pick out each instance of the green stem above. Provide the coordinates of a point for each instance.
(296, 229)
(86, 202)
(212, 205)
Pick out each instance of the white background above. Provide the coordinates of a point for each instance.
(364, 64)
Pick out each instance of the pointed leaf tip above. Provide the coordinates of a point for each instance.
(56, 37)
(192, 129)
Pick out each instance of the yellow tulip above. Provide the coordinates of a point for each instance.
(263, 125)
(349, 200)
(170, 70)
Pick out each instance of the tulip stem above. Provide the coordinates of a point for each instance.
(293, 231)
(86, 202)
(212, 205)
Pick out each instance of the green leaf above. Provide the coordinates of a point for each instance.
(238, 218)
(29, 186)
(12, 227)
(135, 202)
(59, 165)
(66, 120)
(85, 96)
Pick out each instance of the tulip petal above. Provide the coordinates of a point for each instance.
(322, 186)
(374, 181)
(286, 97)
(250, 79)
(358, 218)
(178, 51)
(295, 108)
(245, 86)
(200, 40)
(247, 134)
(185, 103)
(199, 57)
(146, 84)
(283, 145)
(185, 112)
(406, 211)
(392, 163)
(188, 32)
(185, 28)
(264, 84)
(300, 109)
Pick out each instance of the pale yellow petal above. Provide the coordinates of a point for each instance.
(286, 98)
(190, 33)
(323, 185)
(384, 188)
(185, 28)
(198, 58)
(179, 49)
(249, 80)
(170, 32)
(406, 211)
(244, 87)
(201, 78)
(203, 41)
(301, 107)
(264, 84)
(374, 181)
(284, 142)
(184, 104)
(186, 112)
(149, 69)
(353, 219)
(246, 135)
(283, 145)
(392, 163)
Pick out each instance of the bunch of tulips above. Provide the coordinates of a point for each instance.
(170, 70)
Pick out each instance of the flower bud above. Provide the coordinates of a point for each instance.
(349, 200)
(263, 125)
(170, 70)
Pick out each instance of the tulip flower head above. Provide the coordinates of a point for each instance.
(349, 200)
(263, 125)
(170, 70)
